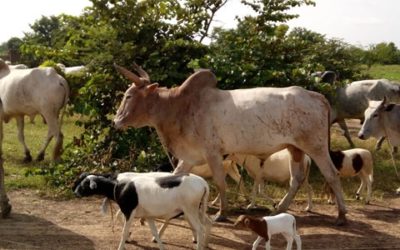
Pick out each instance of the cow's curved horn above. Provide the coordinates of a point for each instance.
(129, 75)
(141, 72)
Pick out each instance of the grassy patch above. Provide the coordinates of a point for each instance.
(391, 72)
(13, 152)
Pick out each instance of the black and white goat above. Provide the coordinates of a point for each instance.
(354, 162)
(151, 196)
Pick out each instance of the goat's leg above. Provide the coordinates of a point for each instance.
(361, 188)
(297, 177)
(161, 230)
(195, 222)
(343, 126)
(268, 244)
(298, 241)
(21, 138)
(125, 231)
(153, 229)
(256, 242)
(289, 240)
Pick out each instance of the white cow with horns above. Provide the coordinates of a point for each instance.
(30, 92)
(198, 123)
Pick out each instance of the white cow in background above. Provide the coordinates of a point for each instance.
(29, 92)
(73, 69)
(352, 100)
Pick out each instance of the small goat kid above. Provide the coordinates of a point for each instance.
(267, 226)
(149, 197)
(354, 162)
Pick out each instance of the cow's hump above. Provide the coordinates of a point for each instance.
(199, 80)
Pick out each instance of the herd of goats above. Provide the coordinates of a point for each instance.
(273, 133)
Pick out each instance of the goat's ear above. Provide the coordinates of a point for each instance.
(92, 184)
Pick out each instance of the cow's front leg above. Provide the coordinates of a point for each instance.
(215, 163)
(4, 205)
(297, 177)
(183, 168)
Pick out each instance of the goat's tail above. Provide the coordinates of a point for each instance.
(205, 220)
(204, 206)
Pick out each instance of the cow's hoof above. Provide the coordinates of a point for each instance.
(6, 210)
(40, 157)
(220, 218)
(357, 197)
(27, 158)
(341, 220)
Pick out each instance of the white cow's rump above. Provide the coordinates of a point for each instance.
(199, 123)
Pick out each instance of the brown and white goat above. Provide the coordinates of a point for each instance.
(267, 226)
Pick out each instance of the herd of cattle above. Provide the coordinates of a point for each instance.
(273, 133)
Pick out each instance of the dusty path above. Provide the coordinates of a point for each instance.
(38, 223)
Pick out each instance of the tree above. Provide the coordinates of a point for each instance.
(385, 53)
(13, 47)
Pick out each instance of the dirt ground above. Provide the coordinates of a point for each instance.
(39, 223)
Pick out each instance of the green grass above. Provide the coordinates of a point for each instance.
(391, 72)
(13, 152)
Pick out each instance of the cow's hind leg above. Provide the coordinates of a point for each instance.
(53, 131)
(21, 138)
(215, 163)
(297, 177)
(327, 169)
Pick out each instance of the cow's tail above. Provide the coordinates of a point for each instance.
(64, 84)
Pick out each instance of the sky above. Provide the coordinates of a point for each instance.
(359, 22)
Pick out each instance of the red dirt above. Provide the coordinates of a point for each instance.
(39, 223)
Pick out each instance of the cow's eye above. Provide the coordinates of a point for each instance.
(128, 96)
(375, 115)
